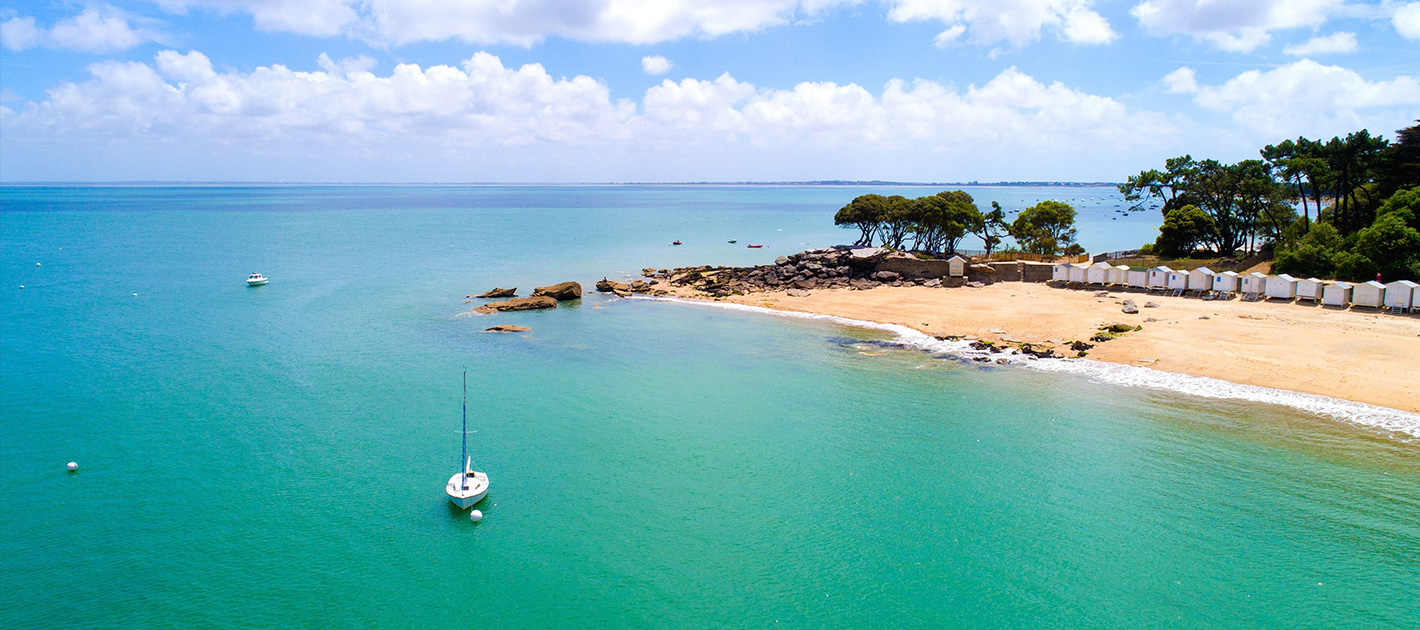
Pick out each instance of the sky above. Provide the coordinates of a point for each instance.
(684, 90)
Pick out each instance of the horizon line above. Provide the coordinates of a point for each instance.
(818, 182)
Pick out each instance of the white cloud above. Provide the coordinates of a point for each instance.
(1406, 20)
(656, 64)
(1307, 95)
(1015, 22)
(97, 29)
(1232, 25)
(1181, 81)
(449, 115)
(1342, 42)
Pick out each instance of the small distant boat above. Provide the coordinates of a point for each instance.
(675, 242)
(256, 280)
(754, 246)
(732, 241)
(469, 486)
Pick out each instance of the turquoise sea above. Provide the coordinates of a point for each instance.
(275, 456)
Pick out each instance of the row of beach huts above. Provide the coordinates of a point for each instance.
(1400, 296)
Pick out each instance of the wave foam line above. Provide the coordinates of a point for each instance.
(1393, 420)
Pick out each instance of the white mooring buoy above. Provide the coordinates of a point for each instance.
(73, 467)
(475, 516)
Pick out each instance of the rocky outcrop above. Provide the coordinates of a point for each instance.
(506, 328)
(619, 288)
(499, 293)
(561, 291)
(518, 304)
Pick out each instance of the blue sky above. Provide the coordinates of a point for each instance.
(670, 90)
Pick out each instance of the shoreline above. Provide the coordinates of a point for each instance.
(1337, 355)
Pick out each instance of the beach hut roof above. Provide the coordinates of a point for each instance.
(1402, 283)
(1205, 270)
(1228, 273)
(1314, 279)
(1162, 268)
(957, 257)
(1341, 284)
(1373, 283)
(1102, 265)
(1286, 277)
(1257, 274)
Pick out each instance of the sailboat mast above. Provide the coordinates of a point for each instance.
(463, 459)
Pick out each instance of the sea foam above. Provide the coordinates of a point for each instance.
(1402, 424)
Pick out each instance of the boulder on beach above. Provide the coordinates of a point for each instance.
(640, 286)
(518, 304)
(507, 328)
(1129, 307)
(499, 293)
(561, 291)
(611, 286)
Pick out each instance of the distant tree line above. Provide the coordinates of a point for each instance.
(1362, 191)
(938, 223)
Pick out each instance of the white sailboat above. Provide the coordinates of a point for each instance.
(468, 486)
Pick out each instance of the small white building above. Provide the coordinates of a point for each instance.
(1139, 278)
(1336, 294)
(1400, 295)
(1310, 289)
(1225, 282)
(1159, 277)
(1282, 286)
(1098, 273)
(1370, 293)
(1077, 272)
(1201, 280)
(1255, 283)
(1119, 274)
(1060, 271)
(1178, 280)
(956, 266)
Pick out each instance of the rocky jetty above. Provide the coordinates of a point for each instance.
(609, 286)
(499, 293)
(518, 304)
(826, 268)
(507, 328)
(561, 291)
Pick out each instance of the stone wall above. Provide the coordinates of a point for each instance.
(913, 267)
(981, 273)
(1007, 271)
(1036, 272)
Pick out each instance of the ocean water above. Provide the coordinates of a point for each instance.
(275, 456)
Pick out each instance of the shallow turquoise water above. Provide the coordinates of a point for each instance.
(275, 456)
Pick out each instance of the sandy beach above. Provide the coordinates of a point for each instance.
(1357, 355)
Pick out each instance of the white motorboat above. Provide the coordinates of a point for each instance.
(256, 280)
(468, 486)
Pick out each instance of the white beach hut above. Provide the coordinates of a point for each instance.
(1098, 273)
(1282, 286)
(1060, 271)
(1368, 294)
(1201, 280)
(1225, 282)
(1253, 284)
(1310, 289)
(1159, 278)
(1336, 294)
(1077, 271)
(1178, 281)
(1139, 278)
(1119, 274)
(956, 266)
(1400, 295)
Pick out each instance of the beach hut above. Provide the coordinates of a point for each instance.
(956, 266)
(1077, 271)
(1060, 271)
(1400, 295)
(1098, 273)
(1159, 278)
(1336, 294)
(1253, 285)
(1119, 274)
(1226, 282)
(1201, 280)
(1178, 281)
(1368, 294)
(1139, 278)
(1310, 289)
(1282, 286)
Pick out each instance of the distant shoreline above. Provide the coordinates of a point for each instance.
(830, 183)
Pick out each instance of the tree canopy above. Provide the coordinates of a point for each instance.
(1045, 228)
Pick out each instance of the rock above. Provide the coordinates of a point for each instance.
(638, 286)
(797, 293)
(1150, 305)
(499, 293)
(506, 328)
(518, 304)
(1204, 317)
(886, 276)
(1039, 352)
(1152, 319)
(867, 254)
(1103, 294)
(1129, 307)
(933, 283)
(561, 291)
(781, 261)
(611, 286)
(1080, 346)
(1003, 361)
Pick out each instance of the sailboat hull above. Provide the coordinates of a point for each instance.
(465, 495)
